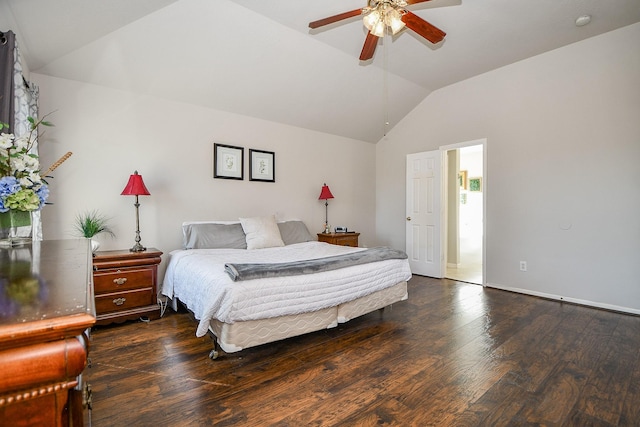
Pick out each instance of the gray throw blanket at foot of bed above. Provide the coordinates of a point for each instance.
(258, 271)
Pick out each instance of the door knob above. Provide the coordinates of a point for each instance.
(408, 218)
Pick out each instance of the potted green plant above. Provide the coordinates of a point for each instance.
(91, 223)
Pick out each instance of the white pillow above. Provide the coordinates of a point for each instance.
(261, 232)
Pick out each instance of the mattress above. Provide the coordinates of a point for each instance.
(197, 278)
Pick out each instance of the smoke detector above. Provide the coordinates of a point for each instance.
(583, 20)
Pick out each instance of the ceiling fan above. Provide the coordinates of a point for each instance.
(380, 15)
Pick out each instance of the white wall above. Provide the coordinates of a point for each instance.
(112, 133)
(563, 147)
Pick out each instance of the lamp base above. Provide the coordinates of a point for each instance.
(137, 248)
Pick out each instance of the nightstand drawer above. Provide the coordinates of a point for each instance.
(119, 301)
(342, 239)
(347, 240)
(122, 280)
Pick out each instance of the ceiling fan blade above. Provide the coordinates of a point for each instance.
(369, 47)
(335, 18)
(422, 27)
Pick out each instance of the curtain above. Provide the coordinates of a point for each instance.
(7, 46)
(25, 105)
(18, 101)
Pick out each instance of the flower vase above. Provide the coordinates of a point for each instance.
(22, 291)
(15, 228)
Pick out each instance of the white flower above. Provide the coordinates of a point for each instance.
(18, 164)
(6, 140)
(32, 180)
(32, 164)
(35, 178)
(21, 143)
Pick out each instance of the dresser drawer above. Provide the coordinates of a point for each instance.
(122, 280)
(119, 301)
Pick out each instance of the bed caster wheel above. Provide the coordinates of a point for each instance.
(213, 355)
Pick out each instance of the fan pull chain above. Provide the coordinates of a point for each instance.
(385, 84)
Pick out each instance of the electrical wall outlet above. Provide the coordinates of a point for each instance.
(523, 265)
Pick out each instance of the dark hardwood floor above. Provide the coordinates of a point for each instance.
(454, 354)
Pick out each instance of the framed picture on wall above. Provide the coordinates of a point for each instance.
(228, 161)
(462, 179)
(475, 184)
(262, 166)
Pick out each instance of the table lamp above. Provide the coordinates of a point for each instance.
(325, 194)
(136, 187)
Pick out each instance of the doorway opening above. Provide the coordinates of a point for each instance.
(464, 218)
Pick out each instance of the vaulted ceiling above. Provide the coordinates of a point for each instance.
(259, 58)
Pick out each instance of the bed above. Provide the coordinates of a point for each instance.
(256, 281)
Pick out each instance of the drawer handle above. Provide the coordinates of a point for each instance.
(119, 301)
(120, 280)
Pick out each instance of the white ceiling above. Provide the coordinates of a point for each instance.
(259, 58)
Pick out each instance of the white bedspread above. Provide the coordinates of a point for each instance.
(197, 278)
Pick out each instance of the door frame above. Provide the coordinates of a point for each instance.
(444, 199)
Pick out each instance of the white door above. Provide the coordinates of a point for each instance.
(424, 213)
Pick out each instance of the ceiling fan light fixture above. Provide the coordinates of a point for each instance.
(381, 16)
(378, 29)
(371, 19)
(393, 19)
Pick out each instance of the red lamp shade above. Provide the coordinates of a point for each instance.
(135, 186)
(325, 193)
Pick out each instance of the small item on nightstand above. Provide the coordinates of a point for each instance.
(340, 229)
(327, 228)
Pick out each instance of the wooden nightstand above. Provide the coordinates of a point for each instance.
(125, 285)
(342, 239)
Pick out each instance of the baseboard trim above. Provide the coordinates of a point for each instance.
(561, 298)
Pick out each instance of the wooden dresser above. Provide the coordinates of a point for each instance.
(126, 285)
(342, 239)
(46, 310)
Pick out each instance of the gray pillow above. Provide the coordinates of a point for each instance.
(294, 232)
(213, 236)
